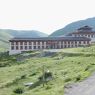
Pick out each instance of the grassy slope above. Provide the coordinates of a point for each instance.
(4, 37)
(68, 69)
(6, 34)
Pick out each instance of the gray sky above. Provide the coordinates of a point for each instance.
(43, 15)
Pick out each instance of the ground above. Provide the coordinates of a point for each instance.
(86, 87)
(68, 66)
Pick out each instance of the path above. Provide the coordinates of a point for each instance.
(87, 87)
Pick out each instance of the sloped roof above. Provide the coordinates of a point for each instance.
(51, 39)
(83, 30)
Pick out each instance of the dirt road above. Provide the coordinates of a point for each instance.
(87, 87)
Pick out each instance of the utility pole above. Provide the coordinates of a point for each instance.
(43, 71)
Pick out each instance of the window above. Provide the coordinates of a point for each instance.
(38, 47)
(12, 47)
(21, 47)
(92, 36)
(16, 47)
(42, 47)
(72, 42)
(30, 43)
(25, 47)
(21, 43)
(79, 42)
(65, 42)
(42, 43)
(68, 46)
(34, 47)
(16, 43)
(30, 47)
(75, 42)
(68, 42)
(84, 42)
(25, 43)
(88, 35)
(72, 46)
(38, 43)
(34, 43)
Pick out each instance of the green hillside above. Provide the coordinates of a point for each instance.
(74, 25)
(4, 37)
(6, 34)
(68, 66)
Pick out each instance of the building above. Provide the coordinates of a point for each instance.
(18, 45)
(85, 31)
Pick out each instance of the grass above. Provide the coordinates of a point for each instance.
(66, 67)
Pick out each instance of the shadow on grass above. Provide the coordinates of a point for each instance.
(38, 83)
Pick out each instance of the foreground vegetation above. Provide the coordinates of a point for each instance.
(67, 67)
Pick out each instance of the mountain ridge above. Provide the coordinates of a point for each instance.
(6, 34)
(72, 27)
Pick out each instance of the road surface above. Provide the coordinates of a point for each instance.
(87, 87)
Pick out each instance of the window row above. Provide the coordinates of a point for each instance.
(85, 35)
(43, 47)
(27, 47)
(61, 42)
(26, 43)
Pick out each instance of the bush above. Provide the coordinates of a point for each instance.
(87, 68)
(68, 79)
(79, 62)
(46, 75)
(33, 74)
(19, 90)
(48, 87)
(78, 78)
(23, 76)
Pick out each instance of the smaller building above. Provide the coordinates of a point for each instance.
(84, 31)
(18, 45)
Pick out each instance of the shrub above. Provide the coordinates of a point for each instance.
(46, 75)
(23, 76)
(18, 90)
(68, 79)
(78, 78)
(87, 68)
(79, 62)
(65, 72)
(48, 87)
(33, 74)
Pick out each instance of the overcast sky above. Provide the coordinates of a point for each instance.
(43, 15)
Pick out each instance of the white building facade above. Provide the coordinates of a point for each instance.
(18, 45)
(85, 31)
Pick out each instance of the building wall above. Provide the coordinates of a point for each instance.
(91, 36)
(19, 46)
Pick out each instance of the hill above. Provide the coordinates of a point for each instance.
(6, 34)
(75, 25)
(68, 66)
